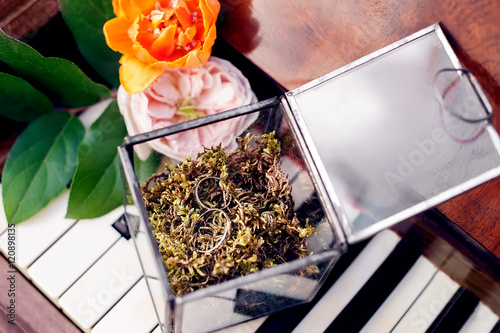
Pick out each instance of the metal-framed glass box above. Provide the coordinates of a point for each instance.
(365, 147)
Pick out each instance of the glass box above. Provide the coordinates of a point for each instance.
(364, 147)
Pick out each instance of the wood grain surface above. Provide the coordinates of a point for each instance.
(22, 18)
(295, 42)
(32, 312)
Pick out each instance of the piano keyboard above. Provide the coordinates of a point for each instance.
(92, 274)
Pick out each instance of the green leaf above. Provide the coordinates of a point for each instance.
(96, 187)
(40, 164)
(85, 19)
(144, 169)
(20, 100)
(58, 78)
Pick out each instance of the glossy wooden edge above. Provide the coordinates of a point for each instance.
(455, 253)
(22, 18)
(33, 312)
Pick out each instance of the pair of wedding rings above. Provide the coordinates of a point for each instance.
(212, 228)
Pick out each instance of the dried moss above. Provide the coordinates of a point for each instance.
(246, 187)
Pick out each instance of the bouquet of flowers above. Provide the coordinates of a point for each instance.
(155, 61)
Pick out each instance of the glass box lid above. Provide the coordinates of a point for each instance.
(396, 133)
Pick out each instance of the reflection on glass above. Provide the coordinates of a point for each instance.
(388, 147)
(241, 298)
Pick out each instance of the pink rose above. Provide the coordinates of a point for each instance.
(183, 94)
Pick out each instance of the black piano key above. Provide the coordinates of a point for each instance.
(456, 312)
(120, 225)
(285, 321)
(256, 303)
(371, 296)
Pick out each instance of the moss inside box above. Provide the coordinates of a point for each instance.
(225, 214)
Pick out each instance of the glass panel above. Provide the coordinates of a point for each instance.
(253, 300)
(130, 226)
(397, 134)
(267, 290)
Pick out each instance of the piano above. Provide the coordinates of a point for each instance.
(424, 275)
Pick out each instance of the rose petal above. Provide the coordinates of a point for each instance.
(117, 38)
(184, 17)
(187, 37)
(196, 83)
(215, 87)
(135, 76)
(143, 55)
(208, 80)
(165, 88)
(145, 5)
(196, 58)
(130, 106)
(209, 9)
(160, 110)
(184, 85)
(126, 9)
(164, 46)
(213, 6)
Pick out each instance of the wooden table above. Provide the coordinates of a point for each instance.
(295, 42)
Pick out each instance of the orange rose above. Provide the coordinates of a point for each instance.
(155, 36)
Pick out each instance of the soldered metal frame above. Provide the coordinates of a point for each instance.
(329, 194)
(329, 199)
(126, 155)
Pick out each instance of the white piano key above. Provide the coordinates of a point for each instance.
(135, 312)
(248, 327)
(145, 249)
(93, 112)
(3, 220)
(211, 313)
(39, 232)
(428, 305)
(349, 283)
(402, 297)
(103, 284)
(481, 320)
(58, 268)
